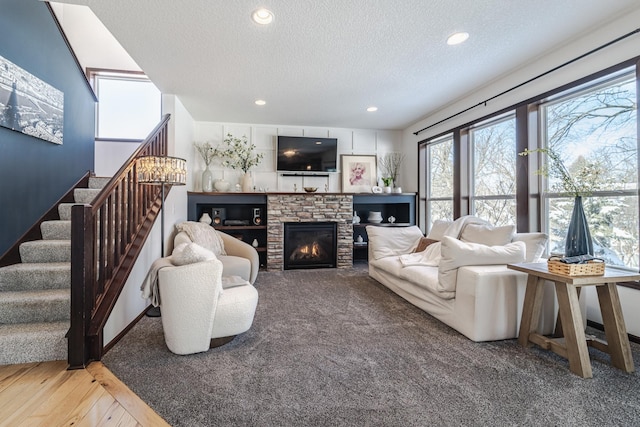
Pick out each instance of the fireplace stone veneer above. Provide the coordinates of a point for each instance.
(314, 207)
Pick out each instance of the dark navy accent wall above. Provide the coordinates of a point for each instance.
(35, 173)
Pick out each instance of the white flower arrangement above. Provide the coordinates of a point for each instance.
(207, 151)
(583, 182)
(390, 165)
(239, 153)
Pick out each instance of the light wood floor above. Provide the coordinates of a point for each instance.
(46, 394)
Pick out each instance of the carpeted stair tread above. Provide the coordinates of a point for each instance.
(46, 251)
(85, 195)
(34, 276)
(33, 342)
(49, 305)
(35, 294)
(98, 181)
(56, 230)
(64, 210)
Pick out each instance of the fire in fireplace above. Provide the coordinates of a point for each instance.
(310, 245)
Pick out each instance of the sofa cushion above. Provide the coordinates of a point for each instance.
(190, 253)
(425, 278)
(204, 235)
(487, 234)
(535, 243)
(456, 253)
(392, 241)
(438, 229)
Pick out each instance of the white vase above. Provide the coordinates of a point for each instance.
(247, 182)
(356, 218)
(207, 180)
(375, 217)
(387, 189)
(222, 185)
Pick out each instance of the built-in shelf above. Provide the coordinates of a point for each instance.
(234, 206)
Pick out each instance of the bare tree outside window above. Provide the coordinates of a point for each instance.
(494, 171)
(440, 181)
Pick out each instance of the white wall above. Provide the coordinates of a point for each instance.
(605, 58)
(111, 155)
(94, 45)
(350, 141)
(130, 304)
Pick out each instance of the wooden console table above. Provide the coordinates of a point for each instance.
(573, 345)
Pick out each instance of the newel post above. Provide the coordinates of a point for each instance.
(82, 284)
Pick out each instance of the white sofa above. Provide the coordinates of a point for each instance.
(483, 302)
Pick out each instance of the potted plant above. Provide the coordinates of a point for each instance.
(388, 183)
(579, 184)
(390, 165)
(239, 154)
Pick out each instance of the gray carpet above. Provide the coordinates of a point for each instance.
(336, 348)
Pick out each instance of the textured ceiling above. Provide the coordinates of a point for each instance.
(323, 62)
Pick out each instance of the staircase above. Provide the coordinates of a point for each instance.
(35, 294)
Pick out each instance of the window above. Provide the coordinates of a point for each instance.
(440, 179)
(493, 175)
(594, 130)
(591, 124)
(129, 105)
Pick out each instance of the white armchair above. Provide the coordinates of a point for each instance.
(238, 259)
(197, 312)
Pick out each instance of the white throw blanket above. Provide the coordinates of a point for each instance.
(149, 287)
(432, 255)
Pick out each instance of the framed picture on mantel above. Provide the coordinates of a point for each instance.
(358, 173)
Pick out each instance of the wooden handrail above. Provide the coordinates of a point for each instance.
(106, 239)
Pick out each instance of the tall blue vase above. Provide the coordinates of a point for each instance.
(578, 237)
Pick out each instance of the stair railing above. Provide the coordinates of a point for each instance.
(106, 239)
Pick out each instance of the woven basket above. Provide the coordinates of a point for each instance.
(591, 268)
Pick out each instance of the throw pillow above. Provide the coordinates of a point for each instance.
(424, 244)
(392, 241)
(456, 253)
(536, 243)
(190, 253)
(204, 235)
(487, 234)
(438, 229)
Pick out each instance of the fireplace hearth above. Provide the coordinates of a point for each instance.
(310, 245)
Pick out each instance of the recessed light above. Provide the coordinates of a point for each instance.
(260, 102)
(262, 16)
(457, 38)
(372, 109)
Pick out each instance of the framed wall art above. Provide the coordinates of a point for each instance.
(29, 105)
(358, 173)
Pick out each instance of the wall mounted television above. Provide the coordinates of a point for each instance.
(305, 154)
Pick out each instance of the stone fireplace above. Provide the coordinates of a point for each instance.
(310, 245)
(309, 208)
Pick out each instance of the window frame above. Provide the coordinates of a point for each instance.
(580, 90)
(94, 75)
(428, 179)
(473, 197)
